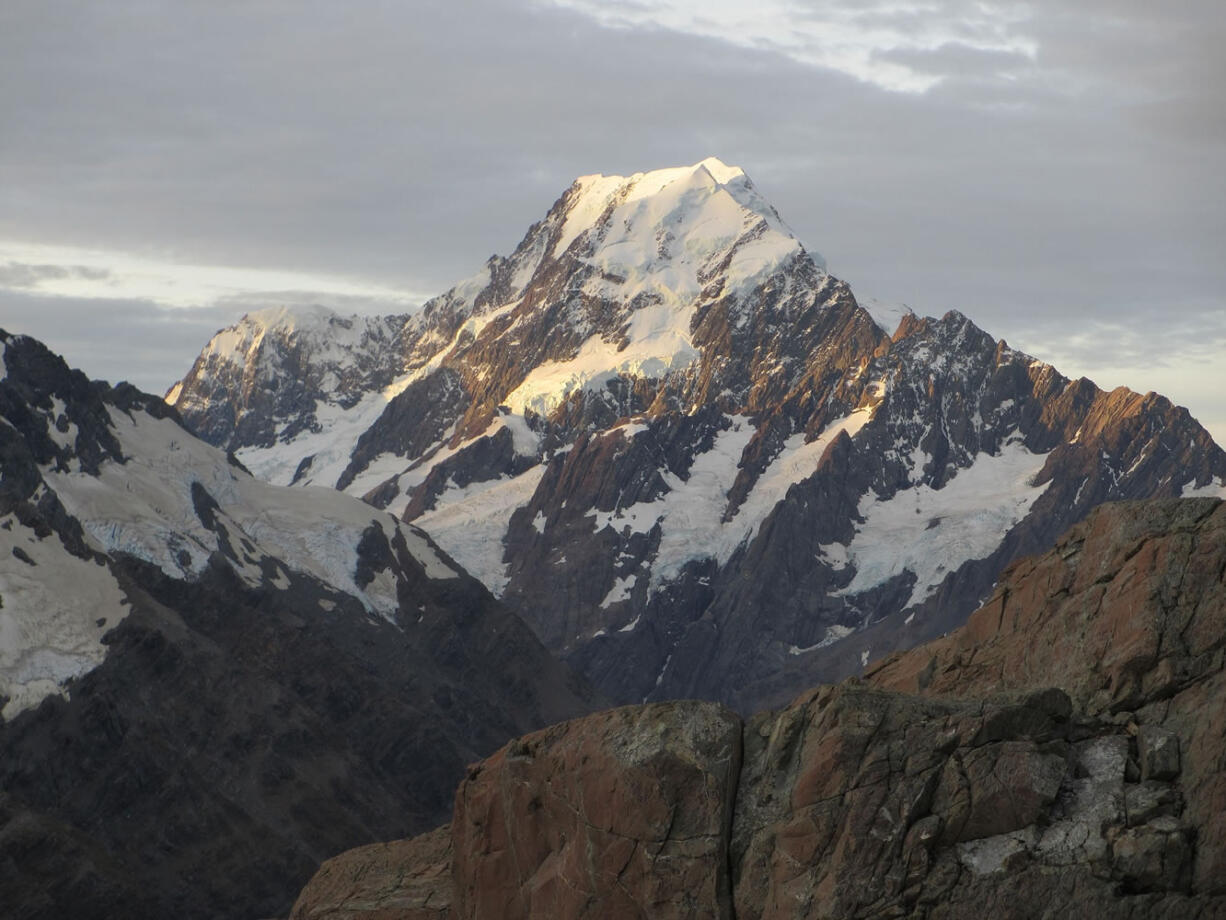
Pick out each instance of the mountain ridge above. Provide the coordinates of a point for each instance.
(679, 440)
(208, 683)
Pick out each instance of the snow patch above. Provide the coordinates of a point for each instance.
(659, 343)
(1211, 489)
(470, 523)
(888, 316)
(931, 532)
(621, 591)
(63, 439)
(833, 634)
(690, 513)
(53, 616)
(526, 441)
(144, 508)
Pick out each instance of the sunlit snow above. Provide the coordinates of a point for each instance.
(655, 238)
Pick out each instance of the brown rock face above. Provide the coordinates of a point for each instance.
(1127, 613)
(401, 880)
(1062, 755)
(623, 814)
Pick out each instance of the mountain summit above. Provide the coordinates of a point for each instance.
(682, 451)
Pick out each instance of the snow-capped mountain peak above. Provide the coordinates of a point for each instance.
(659, 416)
(682, 214)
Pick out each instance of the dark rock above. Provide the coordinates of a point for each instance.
(1157, 855)
(244, 718)
(1158, 749)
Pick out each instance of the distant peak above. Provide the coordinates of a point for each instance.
(653, 181)
(289, 315)
(705, 197)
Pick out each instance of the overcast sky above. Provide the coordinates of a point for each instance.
(1056, 171)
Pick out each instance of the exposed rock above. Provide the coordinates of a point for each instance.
(1154, 856)
(1127, 614)
(1158, 750)
(402, 880)
(622, 814)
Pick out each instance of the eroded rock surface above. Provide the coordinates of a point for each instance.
(401, 880)
(623, 814)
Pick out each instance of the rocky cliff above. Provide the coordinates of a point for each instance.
(662, 433)
(209, 683)
(1060, 755)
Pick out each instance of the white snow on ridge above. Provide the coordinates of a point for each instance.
(55, 611)
(659, 344)
(410, 473)
(664, 231)
(144, 507)
(329, 337)
(53, 616)
(331, 446)
(888, 316)
(690, 513)
(931, 532)
(469, 523)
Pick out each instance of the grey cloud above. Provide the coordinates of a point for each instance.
(341, 303)
(133, 340)
(27, 275)
(957, 59)
(406, 143)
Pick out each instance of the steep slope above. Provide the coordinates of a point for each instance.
(1062, 754)
(208, 682)
(682, 451)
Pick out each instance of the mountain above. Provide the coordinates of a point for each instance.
(208, 683)
(1060, 754)
(662, 433)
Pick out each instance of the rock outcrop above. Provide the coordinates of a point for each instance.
(1062, 754)
(401, 880)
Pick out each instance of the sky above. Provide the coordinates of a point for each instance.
(1055, 171)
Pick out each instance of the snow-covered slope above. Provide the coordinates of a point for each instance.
(686, 454)
(160, 495)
